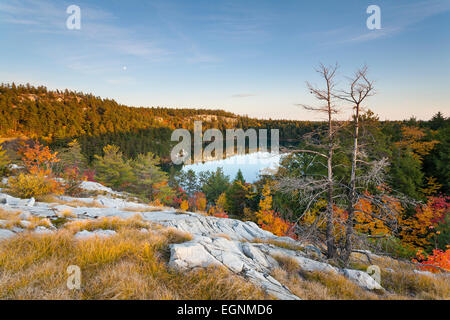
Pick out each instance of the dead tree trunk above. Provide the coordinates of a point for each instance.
(327, 95)
(360, 89)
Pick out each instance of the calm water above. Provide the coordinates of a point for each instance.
(251, 165)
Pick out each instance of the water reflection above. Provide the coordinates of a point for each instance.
(251, 165)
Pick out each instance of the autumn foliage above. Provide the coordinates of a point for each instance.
(369, 218)
(218, 210)
(39, 179)
(271, 221)
(414, 139)
(39, 159)
(420, 229)
(439, 258)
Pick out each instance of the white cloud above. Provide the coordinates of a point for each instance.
(97, 28)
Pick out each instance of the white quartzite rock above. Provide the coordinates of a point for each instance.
(97, 233)
(6, 234)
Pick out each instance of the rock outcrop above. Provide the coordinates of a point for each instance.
(223, 242)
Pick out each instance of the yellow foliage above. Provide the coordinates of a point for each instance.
(412, 137)
(222, 201)
(419, 229)
(265, 204)
(184, 205)
(29, 185)
(368, 217)
(432, 186)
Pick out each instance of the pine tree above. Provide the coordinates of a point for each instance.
(147, 175)
(71, 157)
(112, 169)
(189, 182)
(214, 184)
(239, 176)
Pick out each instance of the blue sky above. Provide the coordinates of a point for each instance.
(248, 57)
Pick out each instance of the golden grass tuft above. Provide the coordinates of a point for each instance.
(420, 286)
(11, 219)
(108, 223)
(322, 286)
(66, 214)
(281, 244)
(222, 235)
(288, 264)
(72, 203)
(128, 265)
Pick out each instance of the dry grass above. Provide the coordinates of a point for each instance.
(13, 220)
(409, 284)
(287, 263)
(108, 223)
(281, 244)
(221, 235)
(66, 214)
(403, 282)
(11, 217)
(320, 285)
(400, 284)
(128, 265)
(72, 203)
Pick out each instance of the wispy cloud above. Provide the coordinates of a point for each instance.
(402, 17)
(97, 26)
(395, 19)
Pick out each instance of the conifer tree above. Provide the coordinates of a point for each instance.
(147, 175)
(112, 169)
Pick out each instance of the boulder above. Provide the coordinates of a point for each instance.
(31, 202)
(25, 223)
(363, 279)
(97, 233)
(190, 255)
(25, 215)
(6, 234)
(42, 230)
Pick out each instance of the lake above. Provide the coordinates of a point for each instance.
(251, 165)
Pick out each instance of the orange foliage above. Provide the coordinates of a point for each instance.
(420, 228)
(439, 258)
(270, 220)
(412, 138)
(198, 201)
(40, 179)
(39, 159)
(219, 209)
(184, 205)
(213, 211)
(368, 216)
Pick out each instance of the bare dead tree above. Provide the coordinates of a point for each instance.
(364, 192)
(360, 89)
(313, 187)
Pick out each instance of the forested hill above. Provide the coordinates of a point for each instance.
(57, 116)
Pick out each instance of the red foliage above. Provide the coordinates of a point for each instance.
(220, 215)
(441, 205)
(439, 258)
(88, 175)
